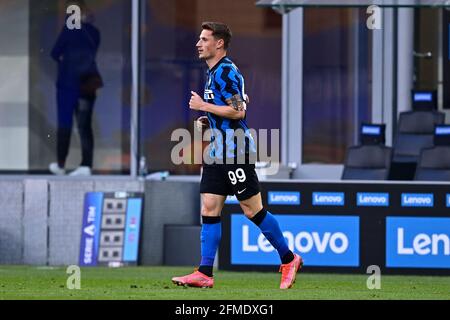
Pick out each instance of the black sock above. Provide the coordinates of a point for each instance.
(288, 257)
(210, 220)
(207, 270)
(259, 217)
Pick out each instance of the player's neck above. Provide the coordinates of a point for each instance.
(213, 61)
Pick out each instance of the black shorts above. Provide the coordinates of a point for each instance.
(228, 179)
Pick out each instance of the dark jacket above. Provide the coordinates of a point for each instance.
(75, 51)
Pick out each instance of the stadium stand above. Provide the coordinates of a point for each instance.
(434, 162)
(415, 132)
(371, 160)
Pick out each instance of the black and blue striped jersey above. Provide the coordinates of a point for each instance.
(224, 81)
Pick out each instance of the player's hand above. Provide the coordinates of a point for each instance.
(196, 102)
(202, 123)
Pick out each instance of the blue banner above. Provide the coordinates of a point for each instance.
(417, 200)
(423, 96)
(372, 199)
(132, 227)
(371, 130)
(284, 198)
(231, 200)
(442, 130)
(418, 242)
(328, 199)
(320, 240)
(92, 216)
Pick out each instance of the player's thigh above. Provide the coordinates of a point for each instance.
(214, 181)
(252, 205)
(212, 204)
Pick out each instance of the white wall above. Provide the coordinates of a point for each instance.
(14, 78)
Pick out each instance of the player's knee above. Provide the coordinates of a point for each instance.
(251, 209)
(249, 212)
(209, 209)
(206, 212)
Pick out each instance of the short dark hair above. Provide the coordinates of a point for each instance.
(220, 31)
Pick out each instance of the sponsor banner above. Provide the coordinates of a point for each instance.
(92, 213)
(320, 240)
(284, 198)
(328, 198)
(364, 199)
(132, 228)
(423, 97)
(371, 130)
(442, 130)
(418, 242)
(417, 200)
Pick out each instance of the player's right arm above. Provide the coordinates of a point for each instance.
(229, 112)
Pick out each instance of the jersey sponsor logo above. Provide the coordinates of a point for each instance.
(321, 240)
(418, 242)
(372, 199)
(417, 200)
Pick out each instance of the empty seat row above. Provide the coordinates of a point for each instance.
(421, 150)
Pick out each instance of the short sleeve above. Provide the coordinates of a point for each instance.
(228, 82)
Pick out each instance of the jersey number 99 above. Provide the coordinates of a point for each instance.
(238, 176)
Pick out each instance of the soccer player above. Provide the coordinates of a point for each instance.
(225, 104)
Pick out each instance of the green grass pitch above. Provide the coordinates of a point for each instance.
(153, 283)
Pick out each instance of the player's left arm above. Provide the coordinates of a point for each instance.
(235, 109)
(230, 90)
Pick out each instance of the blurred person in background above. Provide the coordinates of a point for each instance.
(78, 81)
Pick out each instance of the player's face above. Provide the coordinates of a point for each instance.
(206, 45)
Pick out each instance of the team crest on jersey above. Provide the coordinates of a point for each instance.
(208, 95)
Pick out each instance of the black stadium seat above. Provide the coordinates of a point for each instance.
(367, 162)
(434, 164)
(415, 132)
